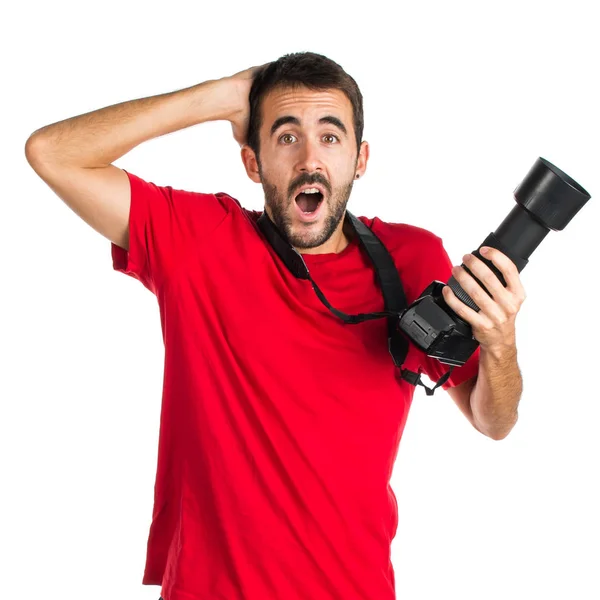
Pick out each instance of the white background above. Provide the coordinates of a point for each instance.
(460, 99)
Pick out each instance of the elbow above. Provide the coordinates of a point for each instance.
(34, 150)
(501, 433)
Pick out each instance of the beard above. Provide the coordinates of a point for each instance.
(306, 235)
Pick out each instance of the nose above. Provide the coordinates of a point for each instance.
(309, 158)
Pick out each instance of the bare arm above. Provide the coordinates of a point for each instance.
(74, 156)
(495, 398)
(490, 400)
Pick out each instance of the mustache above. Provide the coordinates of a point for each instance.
(309, 180)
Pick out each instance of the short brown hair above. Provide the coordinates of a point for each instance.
(314, 71)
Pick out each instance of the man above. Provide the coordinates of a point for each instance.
(280, 424)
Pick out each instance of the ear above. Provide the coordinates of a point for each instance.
(363, 157)
(250, 163)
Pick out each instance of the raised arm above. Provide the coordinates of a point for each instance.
(74, 157)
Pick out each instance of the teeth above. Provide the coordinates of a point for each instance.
(311, 191)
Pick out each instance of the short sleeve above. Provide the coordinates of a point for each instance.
(162, 223)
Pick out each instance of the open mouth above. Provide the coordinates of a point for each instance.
(309, 201)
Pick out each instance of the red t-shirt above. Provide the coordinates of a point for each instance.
(280, 424)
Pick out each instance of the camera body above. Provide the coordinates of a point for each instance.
(436, 329)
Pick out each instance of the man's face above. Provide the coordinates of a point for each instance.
(307, 142)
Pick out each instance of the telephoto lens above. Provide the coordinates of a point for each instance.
(546, 199)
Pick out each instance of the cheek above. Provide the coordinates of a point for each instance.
(343, 166)
(344, 176)
(270, 172)
(274, 182)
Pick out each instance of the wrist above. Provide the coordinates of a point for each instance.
(499, 352)
(215, 100)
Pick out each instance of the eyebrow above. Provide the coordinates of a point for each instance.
(289, 119)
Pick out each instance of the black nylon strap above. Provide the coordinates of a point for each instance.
(415, 379)
(350, 319)
(287, 253)
(390, 284)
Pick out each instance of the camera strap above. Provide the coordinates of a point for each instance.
(387, 277)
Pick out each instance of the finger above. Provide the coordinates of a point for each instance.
(487, 277)
(487, 305)
(508, 269)
(472, 317)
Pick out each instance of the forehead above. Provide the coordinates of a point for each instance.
(304, 101)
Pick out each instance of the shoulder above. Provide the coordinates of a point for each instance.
(419, 254)
(234, 205)
(227, 202)
(402, 236)
(228, 205)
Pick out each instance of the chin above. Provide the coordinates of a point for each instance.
(307, 237)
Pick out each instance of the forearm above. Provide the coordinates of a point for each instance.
(495, 397)
(98, 138)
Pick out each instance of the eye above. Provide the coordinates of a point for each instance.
(286, 135)
(330, 135)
